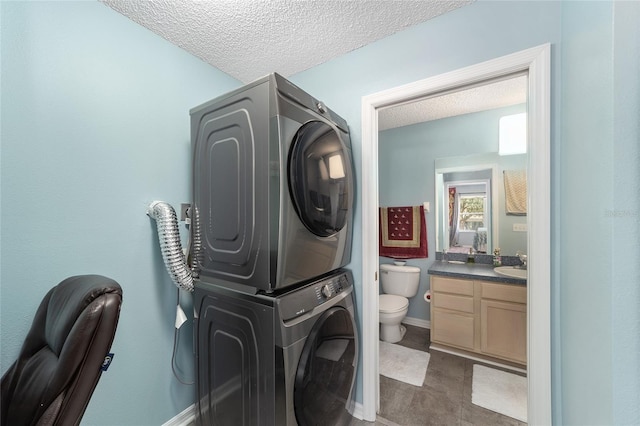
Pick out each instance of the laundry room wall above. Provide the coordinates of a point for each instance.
(593, 89)
(95, 126)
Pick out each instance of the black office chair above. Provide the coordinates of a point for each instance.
(60, 362)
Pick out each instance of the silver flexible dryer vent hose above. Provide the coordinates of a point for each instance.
(169, 238)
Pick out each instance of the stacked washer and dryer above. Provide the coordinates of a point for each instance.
(272, 201)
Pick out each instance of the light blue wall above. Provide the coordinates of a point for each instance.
(95, 126)
(594, 311)
(599, 293)
(625, 214)
(406, 176)
(92, 105)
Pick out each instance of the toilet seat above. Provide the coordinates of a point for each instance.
(391, 303)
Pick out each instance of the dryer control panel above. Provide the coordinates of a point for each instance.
(306, 298)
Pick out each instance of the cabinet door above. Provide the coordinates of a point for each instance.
(451, 328)
(504, 330)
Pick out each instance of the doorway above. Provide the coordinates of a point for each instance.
(536, 63)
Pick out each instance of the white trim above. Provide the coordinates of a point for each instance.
(539, 248)
(184, 418)
(370, 257)
(535, 61)
(418, 322)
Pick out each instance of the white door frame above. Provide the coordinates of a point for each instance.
(536, 61)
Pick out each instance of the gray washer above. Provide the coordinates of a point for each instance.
(285, 359)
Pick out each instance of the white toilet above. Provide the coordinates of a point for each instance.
(399, 282)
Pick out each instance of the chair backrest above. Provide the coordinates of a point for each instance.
(60, 362)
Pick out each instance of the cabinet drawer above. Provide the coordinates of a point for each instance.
(453, 302)
(508, 293)
(452, 285)
(452, 329)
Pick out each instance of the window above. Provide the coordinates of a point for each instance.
(467, 212)
(513, 134)
(471, 211)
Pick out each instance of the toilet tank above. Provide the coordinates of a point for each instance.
(400, 280)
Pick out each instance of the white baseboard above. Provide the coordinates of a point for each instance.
(418, 322)
(357, 411)
(185, 418)
(188, 416)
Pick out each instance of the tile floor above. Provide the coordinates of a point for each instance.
(443, 399)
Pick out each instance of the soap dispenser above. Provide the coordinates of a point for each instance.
(471, 258)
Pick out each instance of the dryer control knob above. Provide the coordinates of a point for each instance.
(326, 291)
(321, 107)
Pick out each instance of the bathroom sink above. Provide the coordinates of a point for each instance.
(511, 272)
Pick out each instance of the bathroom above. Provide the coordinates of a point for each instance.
(112, 101)
(412, 161)
(407, 175)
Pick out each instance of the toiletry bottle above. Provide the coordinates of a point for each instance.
(497, 260)
(471, 258)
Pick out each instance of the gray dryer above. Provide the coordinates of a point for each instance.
(273, 187)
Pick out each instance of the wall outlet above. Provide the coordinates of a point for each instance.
(519, 227)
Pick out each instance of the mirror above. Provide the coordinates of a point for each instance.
(471, 209)
(465, 204)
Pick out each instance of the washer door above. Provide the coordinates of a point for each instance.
(320, 178)
(324, 380)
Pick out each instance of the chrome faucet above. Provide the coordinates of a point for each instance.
(523, 258)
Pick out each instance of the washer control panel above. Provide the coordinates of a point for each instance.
(330, 288)
(306, 298)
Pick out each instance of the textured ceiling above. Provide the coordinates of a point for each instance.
(248, 39)
(498, 94)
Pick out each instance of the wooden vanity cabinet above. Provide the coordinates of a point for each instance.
(483, 317)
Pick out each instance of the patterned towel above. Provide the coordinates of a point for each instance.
(515, 192)
(403, 232)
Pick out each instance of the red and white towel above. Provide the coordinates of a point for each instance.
(403, 232)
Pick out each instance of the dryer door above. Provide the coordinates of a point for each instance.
(323, 388)
(320, 178)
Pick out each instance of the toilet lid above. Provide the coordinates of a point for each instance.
(390, 303)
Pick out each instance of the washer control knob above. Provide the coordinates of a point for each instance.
(326, 291)
(321, 107)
